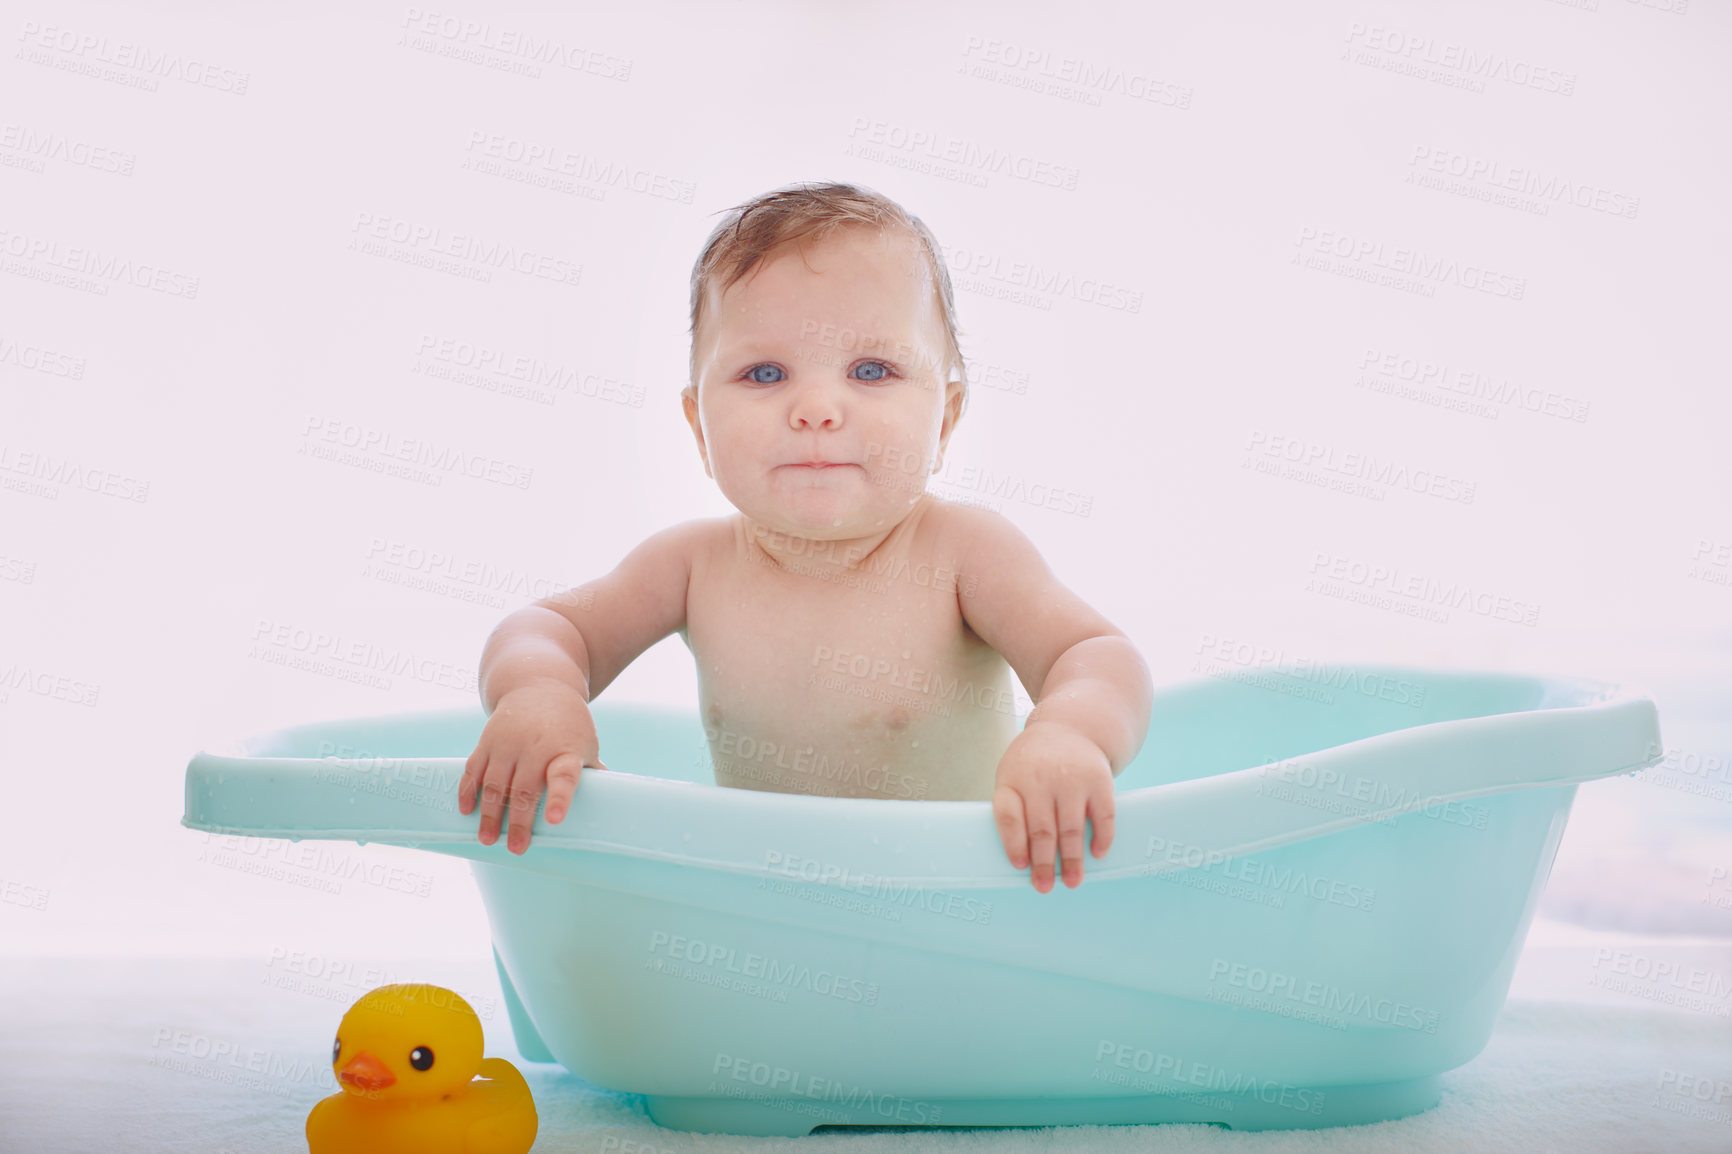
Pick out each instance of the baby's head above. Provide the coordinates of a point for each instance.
(823, 329)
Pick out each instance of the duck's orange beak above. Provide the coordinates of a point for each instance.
(365, 1072)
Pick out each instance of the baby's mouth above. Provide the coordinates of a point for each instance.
(813, 468)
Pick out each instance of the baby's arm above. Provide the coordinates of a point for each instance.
(1093, 696)
(542, 666)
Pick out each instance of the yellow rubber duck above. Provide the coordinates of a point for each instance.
(407, 1055)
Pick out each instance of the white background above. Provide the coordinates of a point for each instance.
(1216, 153)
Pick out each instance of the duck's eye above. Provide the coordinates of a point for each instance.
(421, 1058)
(336, 1050)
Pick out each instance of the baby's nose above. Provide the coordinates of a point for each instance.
(816, 406)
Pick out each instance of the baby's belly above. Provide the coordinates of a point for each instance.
(912, 747)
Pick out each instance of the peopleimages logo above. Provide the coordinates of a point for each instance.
(972, 264)
(762, 967)
(1228, 651)
(445, 358)
(1399, 260)
(1653, 973)
(289, 637)
(1261, 881)
(1420, 590)
(483, 254)
(48, 252)
(1470, 385)
(1067, 77)
(50, 362)
(1359, 471)
(513, 44)
(915, 679)
(89, 50)
(385, 446)
(1519, 179)
(738, 752)
(1165, 1069)
(32, 150)
(1473, 64)
(780, 1081)
(971, 156)
(891, 890)
(1333, 791)
(1287, 994)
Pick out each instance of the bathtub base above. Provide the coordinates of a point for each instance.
(523, 1031)
(792, 1117)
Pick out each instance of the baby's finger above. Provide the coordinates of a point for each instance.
(525, 793)
(493, 797)
(1012, 829)
(563, 773)
(1072, 810)
(473, 771)
(1103, 812)
(1042, 840)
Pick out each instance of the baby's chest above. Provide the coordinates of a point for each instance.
(858, 651)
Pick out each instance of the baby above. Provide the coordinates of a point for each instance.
(854, 635)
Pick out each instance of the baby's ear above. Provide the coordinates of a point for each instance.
(689, 408)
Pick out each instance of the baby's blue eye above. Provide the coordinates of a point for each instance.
(883, 371)
(756, 369)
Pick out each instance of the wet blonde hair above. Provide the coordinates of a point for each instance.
(754, 229)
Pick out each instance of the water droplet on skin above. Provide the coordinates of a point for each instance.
(907, 653)
(913, 743)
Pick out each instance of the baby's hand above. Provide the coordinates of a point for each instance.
(538, 732)
(1049, 780)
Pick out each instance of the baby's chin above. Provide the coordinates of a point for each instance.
(826, 519)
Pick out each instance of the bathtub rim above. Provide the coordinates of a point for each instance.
(1221, 816)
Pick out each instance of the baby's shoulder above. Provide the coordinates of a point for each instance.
(706, 538)
(963, 529)
(981, 545)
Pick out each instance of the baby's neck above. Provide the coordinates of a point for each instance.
(783, 550)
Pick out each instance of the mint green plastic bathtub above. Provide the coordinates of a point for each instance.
(1319, 887)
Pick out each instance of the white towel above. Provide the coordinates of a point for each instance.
(148, 1055)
